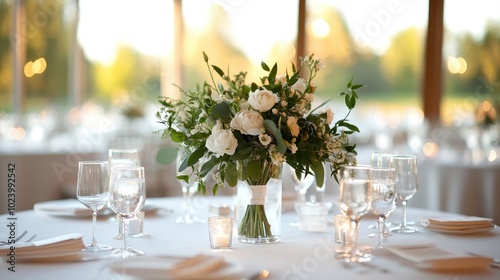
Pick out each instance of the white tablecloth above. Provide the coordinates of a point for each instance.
(300, 254)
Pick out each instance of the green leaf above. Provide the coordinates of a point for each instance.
(231, 175)
(207, 167)
(222, 111)
(357, 86)
(218, 70)
(196, 156)
(184, 178)
(350, 126)
(348, 101)
(353, 101)
(271, 126)
(214, 189)
(319, 173)
(166, 155)
(264, 66)
(205, 57)
(177, 137)
(272, 74)
(349, 84)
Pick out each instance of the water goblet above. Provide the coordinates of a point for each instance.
(406, 173)
(355, 197)
(127, 190)
(384, 197)
(92, 190)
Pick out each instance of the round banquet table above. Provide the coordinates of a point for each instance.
(299, 255)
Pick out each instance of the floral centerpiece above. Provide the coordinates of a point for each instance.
(239, 130)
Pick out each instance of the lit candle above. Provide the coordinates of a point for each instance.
(220, 240)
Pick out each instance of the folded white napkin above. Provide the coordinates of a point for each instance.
(429, 256)
(65, 207)
(200, 266)
(65, 243)
(459, 223)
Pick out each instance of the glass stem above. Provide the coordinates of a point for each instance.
(354, 235)
(403, 225)
(381, 229)
(94, 221)
(125, 233)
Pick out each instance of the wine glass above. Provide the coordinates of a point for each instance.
(355, 197)
(127, 190)
(406, 186)
(92, 190)
(189, 188)
(382, 159)
(384, 197)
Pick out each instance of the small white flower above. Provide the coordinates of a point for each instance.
(265, 139)
(262, 100)
(281, 78)
(275, 111)
(248, 122)
(293, 148)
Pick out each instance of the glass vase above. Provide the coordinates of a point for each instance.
(259, 207)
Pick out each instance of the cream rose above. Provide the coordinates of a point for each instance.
(221, 141)
(300, 85)
(262, 100)
(292, 124)
(248, 122)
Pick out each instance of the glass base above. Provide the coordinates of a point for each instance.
(98, 248)
(127, 253)
(359, 256)
(264, 240)
(406, 229)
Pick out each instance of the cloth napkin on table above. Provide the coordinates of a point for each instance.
(60, 244)
(201, 266)
(65, 207)
(429, 256)
(459, 223)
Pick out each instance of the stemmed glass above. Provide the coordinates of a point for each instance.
(92, 190)
(300, 185)
(355, 197)
(384, 197)
(406, 185)
(127, 195)
(382, 159)
(189, 188)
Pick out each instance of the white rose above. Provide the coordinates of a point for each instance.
(291, 122)
(221, 141)
(300, 85)
(329, 116)
(262, 100)
(248, 122)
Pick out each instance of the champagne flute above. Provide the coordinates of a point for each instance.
(384, 197)
(355, 197)
(127, 196)
(92, 190)
(406, 186)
